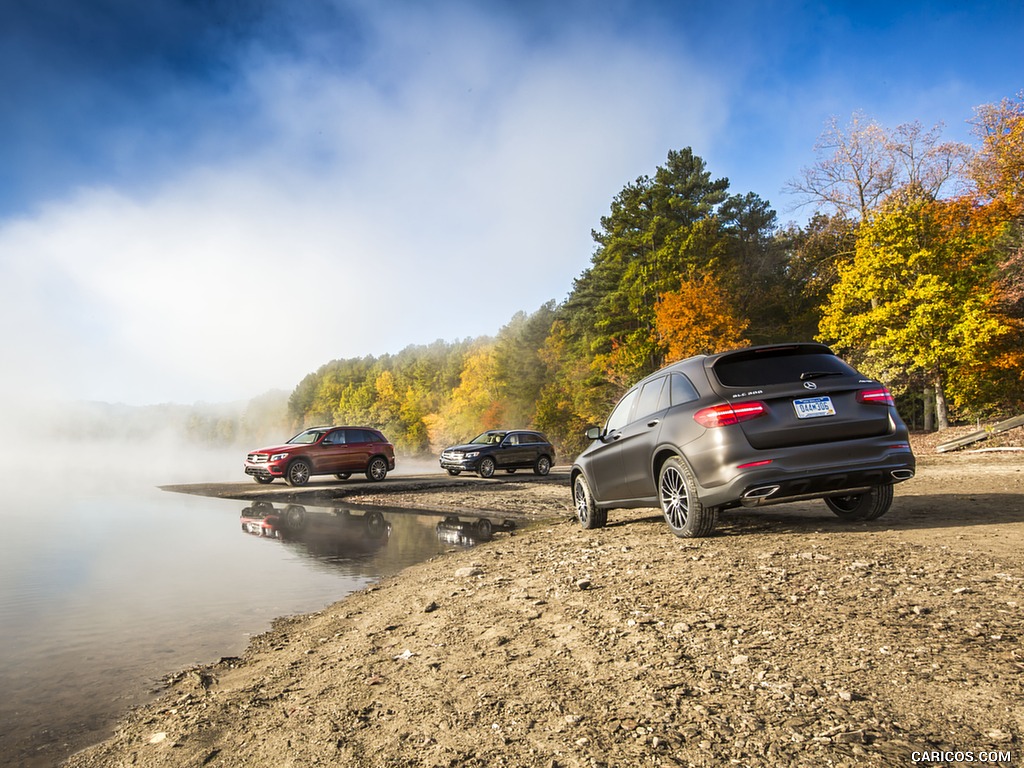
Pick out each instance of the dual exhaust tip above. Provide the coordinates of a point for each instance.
(763, 493)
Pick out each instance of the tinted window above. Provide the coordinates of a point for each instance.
(683, 390)
(620, 416)
(650, 398)
(779, 368)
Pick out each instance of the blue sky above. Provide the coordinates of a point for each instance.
(202, 200)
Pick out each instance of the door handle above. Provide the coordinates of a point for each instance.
(653, 423)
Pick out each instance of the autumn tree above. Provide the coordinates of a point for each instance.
(697, 319)
(998, 166)
(998, 173)
(916, 299)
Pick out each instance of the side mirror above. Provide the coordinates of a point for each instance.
(593, 433)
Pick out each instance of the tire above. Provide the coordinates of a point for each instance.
(343, 475)
(483, 528)
(454, 472)
(588, 514)
(263, 479)
(375, 525)
(298, 472)
(862, 506)
(486, 467)
(542, 467)
(377, 469)
(686, 516)
(294, 517)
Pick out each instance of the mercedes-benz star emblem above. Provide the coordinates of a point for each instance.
(810, 385)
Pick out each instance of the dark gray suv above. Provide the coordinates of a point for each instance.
(750, 427)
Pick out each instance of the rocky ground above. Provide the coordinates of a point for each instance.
(788, 638)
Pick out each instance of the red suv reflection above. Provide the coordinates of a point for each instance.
(337, 451)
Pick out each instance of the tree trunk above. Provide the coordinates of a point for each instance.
(928, 402)
(941, 414)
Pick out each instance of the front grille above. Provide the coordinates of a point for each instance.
(258, 458)
(451, 456)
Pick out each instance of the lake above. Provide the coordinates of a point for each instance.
(108, 584)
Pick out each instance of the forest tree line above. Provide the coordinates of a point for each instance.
(911, 267)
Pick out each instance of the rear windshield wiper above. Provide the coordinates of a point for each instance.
(807, 375)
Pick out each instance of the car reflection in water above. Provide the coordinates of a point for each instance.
(339, 533)
(463, 533)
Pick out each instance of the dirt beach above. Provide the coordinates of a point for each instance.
(788, 638)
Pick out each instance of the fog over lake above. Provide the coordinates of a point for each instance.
(108, 584)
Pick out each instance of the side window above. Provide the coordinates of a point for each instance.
(650, 398)
(358, 436)
(620, 416)
(512, 440)
(335, 438)
(683, 390)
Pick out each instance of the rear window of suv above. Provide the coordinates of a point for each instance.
(765, 370)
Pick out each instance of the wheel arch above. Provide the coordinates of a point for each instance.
(575, 471)
(663, 454)
(300, 457)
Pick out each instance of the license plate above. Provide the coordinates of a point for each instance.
(812, 407)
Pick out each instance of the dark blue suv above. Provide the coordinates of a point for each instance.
(500, 449)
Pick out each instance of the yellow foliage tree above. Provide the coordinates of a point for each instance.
(477, 403)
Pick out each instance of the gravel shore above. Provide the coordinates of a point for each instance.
(788, 638)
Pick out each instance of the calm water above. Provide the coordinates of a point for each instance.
(106, 587)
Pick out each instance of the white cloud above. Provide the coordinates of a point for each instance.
(428, 196)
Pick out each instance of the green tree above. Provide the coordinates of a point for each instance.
(519, 369)
(659, 230)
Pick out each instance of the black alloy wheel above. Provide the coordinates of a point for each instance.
(686, 516)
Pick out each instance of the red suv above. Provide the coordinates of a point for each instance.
(337, 451)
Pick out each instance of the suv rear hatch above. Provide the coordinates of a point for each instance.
(811, 396)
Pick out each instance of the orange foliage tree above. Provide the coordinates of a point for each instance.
(697, 319)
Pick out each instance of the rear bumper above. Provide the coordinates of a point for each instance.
(767, 485)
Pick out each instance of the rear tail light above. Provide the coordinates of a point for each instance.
(875, 397)
(729, 413)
